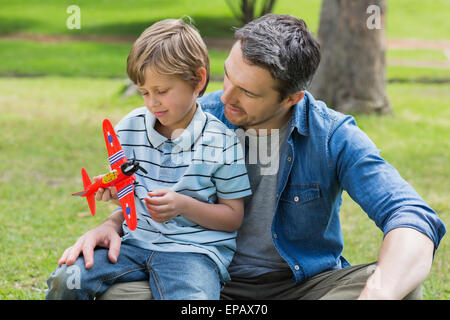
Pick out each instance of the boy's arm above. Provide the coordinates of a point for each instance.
(166, 204)
(227, 215)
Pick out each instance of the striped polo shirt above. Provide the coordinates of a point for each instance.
(205, 162)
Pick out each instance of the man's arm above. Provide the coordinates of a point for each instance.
(404, 262)
(412, 229)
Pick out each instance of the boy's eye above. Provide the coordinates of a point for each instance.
(162, 91)
(144, 93)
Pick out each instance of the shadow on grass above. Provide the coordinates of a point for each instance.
(9, 26)
(208, 26)
(220, 27)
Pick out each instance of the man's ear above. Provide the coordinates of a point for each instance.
(201, 74)
(293, 99)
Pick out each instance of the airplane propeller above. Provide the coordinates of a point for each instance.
(131, 166)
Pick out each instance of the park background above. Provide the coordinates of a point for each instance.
(58, 84)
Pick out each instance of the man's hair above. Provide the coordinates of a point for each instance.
(170, 47)
(283, 45)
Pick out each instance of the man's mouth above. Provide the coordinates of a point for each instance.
(234, 110)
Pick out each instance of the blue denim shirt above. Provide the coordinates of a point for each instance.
(325, 154)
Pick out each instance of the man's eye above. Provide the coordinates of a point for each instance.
(144, 93)
(248, 94)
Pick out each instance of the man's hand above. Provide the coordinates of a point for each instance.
(164, 204)
(105, 235)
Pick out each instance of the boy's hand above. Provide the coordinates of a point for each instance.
(164, 204)
(107, 194)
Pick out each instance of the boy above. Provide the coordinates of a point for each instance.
(190, 204)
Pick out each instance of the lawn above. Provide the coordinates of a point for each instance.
(126, 21)
(404, 19)
(52, 128)
(53, 97)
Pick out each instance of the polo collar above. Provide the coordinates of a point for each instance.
(186, 139)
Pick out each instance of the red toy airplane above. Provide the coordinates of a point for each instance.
(121, 176)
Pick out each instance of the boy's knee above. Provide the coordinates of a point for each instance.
(65, 283)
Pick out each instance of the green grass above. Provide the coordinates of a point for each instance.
(51, 127)
(76, 59)
(108, 60)
(418, 19)
(112, 17)
(51, 122)
(417, 54)
(213, 18)
(64, 59)
(411, 73)
(405, 18)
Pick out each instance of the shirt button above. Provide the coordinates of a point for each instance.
(296, 267)
(289, 159)
(296, 199)
(275, 236)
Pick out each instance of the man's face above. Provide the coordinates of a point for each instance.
(250, 96)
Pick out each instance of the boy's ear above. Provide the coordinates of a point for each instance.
(201, 73)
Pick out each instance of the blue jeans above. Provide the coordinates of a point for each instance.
(171, 275)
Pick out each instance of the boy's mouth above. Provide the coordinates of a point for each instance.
(159, 113)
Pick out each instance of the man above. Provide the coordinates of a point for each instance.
(290, 244)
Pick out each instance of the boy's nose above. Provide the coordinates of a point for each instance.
(153, 103)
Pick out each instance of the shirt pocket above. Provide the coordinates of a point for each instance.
(303, 211)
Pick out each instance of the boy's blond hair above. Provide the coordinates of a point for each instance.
(170, 47)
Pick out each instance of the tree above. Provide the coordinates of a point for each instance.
(245, 11)
(351, 76)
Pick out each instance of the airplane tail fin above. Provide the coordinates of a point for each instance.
(86, 184)
(91, 198)
(91, 202)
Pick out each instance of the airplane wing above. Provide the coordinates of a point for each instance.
(125, 192)
(115, 152)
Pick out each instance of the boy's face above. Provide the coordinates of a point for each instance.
(169, 98)
(250, 95)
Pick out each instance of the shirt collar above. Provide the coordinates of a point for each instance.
(185, 141)
(300, 116)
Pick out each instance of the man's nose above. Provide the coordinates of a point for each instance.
(229, 95)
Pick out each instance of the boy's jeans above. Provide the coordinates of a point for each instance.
(172, 275)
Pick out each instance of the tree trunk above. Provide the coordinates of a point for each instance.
(351, 77)
(246, 10)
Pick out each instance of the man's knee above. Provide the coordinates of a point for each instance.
(136, 290)
(416, 294)
(352, 281)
